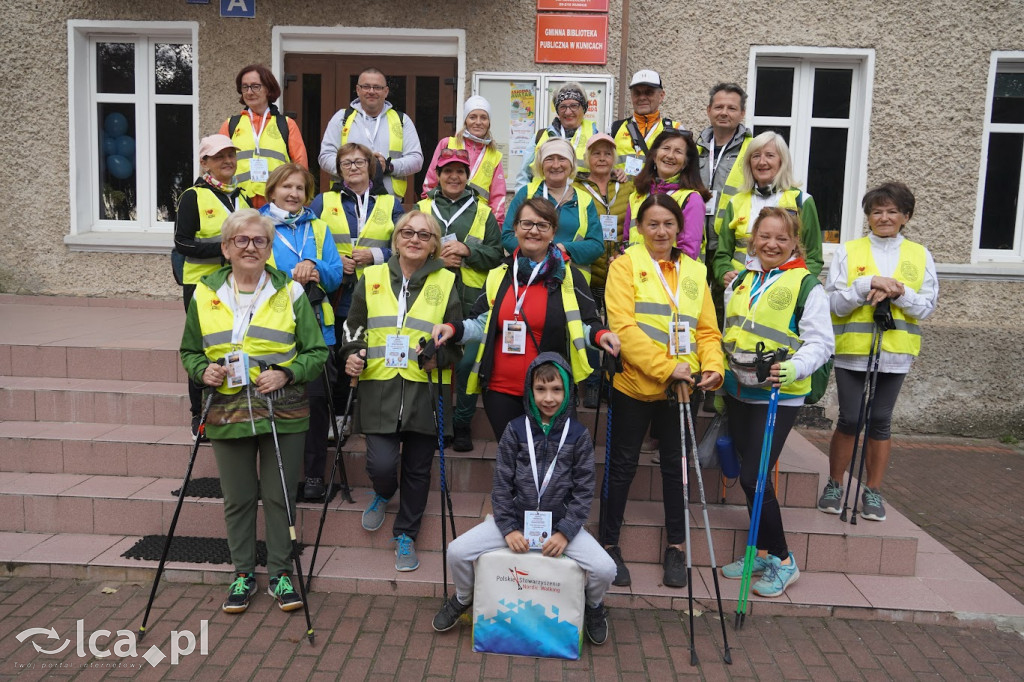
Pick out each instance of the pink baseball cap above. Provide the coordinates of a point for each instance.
(211, 144)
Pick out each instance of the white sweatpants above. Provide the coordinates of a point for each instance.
(485, 537)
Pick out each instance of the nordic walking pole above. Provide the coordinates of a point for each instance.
(883, 323)
(288, 511)
(686, 516)
(861, 423)
(177, 511)
(611, 365)
(764, 363)
(684, 398)
(339, 441)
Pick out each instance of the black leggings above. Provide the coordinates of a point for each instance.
(501, 408)
(850, 387)
(746, 426)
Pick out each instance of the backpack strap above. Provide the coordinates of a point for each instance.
(616, 125)
(233, 123)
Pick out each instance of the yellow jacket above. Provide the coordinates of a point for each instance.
(647, 368)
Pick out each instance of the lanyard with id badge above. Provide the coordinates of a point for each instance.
(609, 222)
(678, 330)
(536, 523)
(513, 332)
(450, 236)
(396, 346)
(259, 170)
(237, 360)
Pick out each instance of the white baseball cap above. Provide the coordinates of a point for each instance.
(646, 77)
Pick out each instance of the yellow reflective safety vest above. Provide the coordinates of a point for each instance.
(652, 307)
(470, 277)
(853, 332)
(733, 182)
(382, 313)
(212, 214)
(635, 199)
(582, 202)
(376, 232)
(575, 340)
(771, 321)
(743, 222)
(271, 333)
(273, 148)
(396, 146)
(320, 236)
(484, 176)
(578, 141)
(624, 147)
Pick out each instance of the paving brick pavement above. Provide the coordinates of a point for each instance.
(389, 638)
(964, 492)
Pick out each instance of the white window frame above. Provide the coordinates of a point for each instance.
(804, 60)
(1005, 62)
(87, 231)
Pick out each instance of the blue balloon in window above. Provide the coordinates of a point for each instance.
(109, 145)
(125, 146)
(115, 124)
(120, 167)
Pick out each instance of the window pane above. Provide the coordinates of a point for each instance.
(781, 130)
(1002, 190)
(173, 157)
(774, 91)
(173, 64)
(309, 122)
(1008, 98)
(115, 67)
(428, 93)
(116, 139)
(832, 93)
(826, 178)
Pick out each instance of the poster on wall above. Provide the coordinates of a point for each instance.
(523, 119)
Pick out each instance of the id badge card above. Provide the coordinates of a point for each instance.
(679, 338)
(259, 171)
(513, 337)
(610, 228)
(449, 238)
(238, 368)
(711, 204)
(634, 164)
(537, 528)
(396, 351)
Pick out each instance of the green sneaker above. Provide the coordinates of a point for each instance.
(734, 571)
(831, 500)
(281, 589)
(241, 591)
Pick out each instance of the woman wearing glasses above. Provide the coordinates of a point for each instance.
(249, 309)
(570, 104)
(304, 250)
(265, 137)
(672, 167)
(486, 176)
(470, 248)
(535, 301)
(394, 307)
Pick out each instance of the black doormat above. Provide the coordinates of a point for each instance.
(210, 487)
(193, 550)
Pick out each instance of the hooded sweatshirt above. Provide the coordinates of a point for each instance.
(569, 494)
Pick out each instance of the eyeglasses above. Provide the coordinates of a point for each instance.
(569, 106)
(242, 242)
(254, 88)
(541, 226)
(421, 235)
(371, 88)
(460, 154)
(353, 163)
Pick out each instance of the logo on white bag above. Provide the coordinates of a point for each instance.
(523, 581)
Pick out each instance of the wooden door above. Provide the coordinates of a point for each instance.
(317, 86)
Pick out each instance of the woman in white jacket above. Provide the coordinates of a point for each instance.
(884, 265)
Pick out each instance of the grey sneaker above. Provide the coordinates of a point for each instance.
(831, 500)
(405, 554)
(871, 507)
(373, 517)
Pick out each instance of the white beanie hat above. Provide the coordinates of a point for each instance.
(477, 102)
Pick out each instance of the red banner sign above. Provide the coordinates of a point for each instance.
(572, 5)
(571, 39)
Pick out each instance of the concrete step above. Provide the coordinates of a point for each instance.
(71, 503)
(163, 451)
(93, 400)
